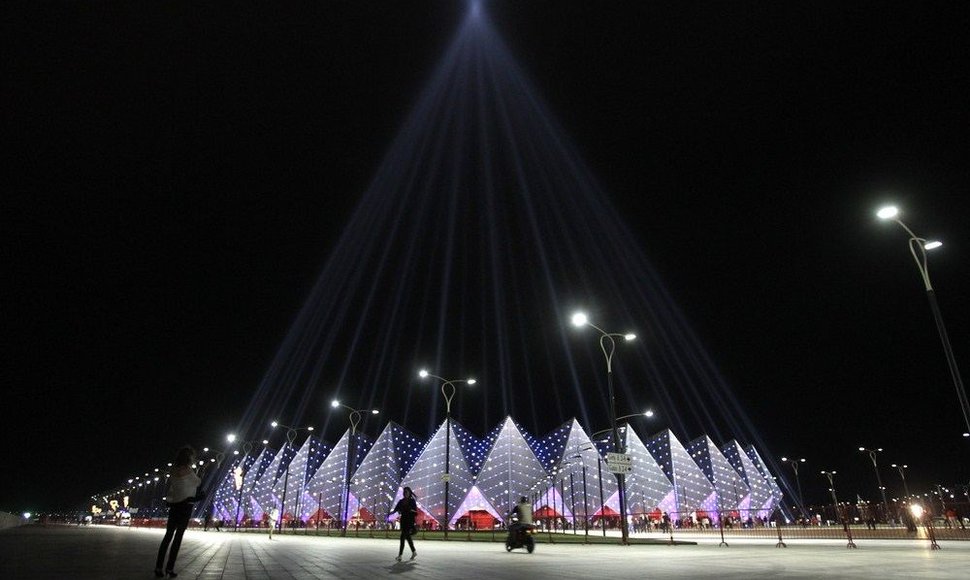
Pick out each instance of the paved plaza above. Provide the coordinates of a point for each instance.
(110, 552)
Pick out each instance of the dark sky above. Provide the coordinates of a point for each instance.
(177, 175)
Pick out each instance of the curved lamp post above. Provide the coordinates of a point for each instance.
(830, 475)
(608, 346)
(291, 433)
(794, 465)
(355, 417)
(902, 474)
(918, 247)
(448, 391)
(648, 414)
(875, 467)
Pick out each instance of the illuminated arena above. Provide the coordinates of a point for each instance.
(565, 474)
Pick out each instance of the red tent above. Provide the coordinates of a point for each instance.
(320, 515)
(364, 515)
(477, 519)
(545, 512)
(423, 520)
(606, 513)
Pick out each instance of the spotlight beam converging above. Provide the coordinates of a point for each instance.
(479, 232)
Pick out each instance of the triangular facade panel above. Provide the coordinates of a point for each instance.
(426, 477)
(252, 508)
(327, 488)
(769, 479)
(732, 491)
(647, 487)
(227, 495)
(692, 490)
(511, 469)
(375, 483)
(307, 460)
(761, 497)
(580, 460)
(268, 491)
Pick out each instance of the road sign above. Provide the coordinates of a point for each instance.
(619, 462)
(619, 458)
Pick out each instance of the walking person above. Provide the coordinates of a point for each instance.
(183, 490)
(408, 508)
(274, 516)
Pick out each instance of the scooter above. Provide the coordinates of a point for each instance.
(521, 537)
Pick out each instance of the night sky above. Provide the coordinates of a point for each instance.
(177, 176)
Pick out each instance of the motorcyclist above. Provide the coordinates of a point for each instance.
(522, 517)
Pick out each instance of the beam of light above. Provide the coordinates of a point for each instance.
(480, 228)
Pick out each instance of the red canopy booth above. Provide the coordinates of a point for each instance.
(477, 520)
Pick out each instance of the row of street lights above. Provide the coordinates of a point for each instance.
(918, 246)
(795, 463)
(291, 434)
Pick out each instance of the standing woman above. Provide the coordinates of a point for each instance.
(408, 508)
(183, 485)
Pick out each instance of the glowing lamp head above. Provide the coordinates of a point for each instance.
(580, 319)
(204, 450)
(265, 441)
(335, 403)
(231, 438)
(423, 373)
(932, 245)
(862, 449)
(309, 429)
(648, 413)
(471, 381)
(27, 515)
(916, 510)
(629, 336)
(374, 412)
(275, 424)
(888, 212)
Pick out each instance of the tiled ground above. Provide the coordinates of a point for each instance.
(109, 552)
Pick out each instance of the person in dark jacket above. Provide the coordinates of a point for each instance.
(408, 508)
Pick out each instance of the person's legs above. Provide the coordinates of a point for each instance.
(174, 552)
(183, 513)
(404, 534)
(170, 527)
(410, 545)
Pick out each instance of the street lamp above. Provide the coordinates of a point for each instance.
(648, 414)
(875, 467)
(830, 475)
(448, 391)
(918, 247)
(608, 346)
(794, 465)
(355, 417)
(291, 433)
(902, 474)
